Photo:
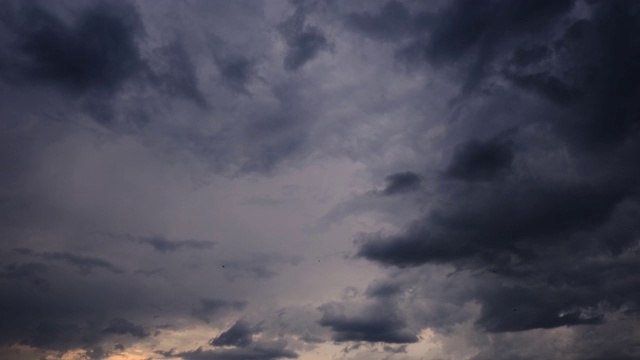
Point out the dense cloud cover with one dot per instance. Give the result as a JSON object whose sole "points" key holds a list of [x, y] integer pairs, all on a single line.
{"points": [[320, 180]]}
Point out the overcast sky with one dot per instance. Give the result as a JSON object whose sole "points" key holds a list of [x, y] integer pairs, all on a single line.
{"points": [[262, 180]]}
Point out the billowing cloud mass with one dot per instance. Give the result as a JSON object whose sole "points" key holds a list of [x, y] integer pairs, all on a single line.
{"points": [[319, 180]]}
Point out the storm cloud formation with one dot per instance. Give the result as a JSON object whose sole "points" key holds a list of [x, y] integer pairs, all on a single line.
{"points": [[97, 51], [320, 180]]}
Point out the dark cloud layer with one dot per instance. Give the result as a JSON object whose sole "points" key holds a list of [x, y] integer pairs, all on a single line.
{"points": [[96, 52], [124, 327], [261, 351], [477, 161], [163, 245], [403, 182], [375, 325], [515, 235], [304, 41], [85, 264], [534, 226], [240, 335]]}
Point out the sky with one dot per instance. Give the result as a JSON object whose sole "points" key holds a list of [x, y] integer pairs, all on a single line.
{"points": [[319, 179]]}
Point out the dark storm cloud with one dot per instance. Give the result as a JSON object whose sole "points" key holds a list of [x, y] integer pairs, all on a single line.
{"points": [[304, 41], [530, 55], [480, 160], [122, 326], [518, 308], [41, 320], [384, 289], [551, 86], [93, 53], [239, 335], [462, 30], [164, 245], [403, 182], [543, 236], [594, 77], [96, 51], [530, 230], [504, 217], [466, 24], [267, 351], [376, 325]]}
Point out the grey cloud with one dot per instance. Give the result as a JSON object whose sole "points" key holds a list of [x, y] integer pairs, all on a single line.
{"points": [[85, 264], [373, 325], [122, 326], [52, 335], [96, 51], [164, 245], [512, 214], [392, 22], [173, 71], [25, 272], [384, 289], [518, 308], [403, 182], [268, 351], [481, 160], [467, 24], [239, 335], [547, 221], [549, 85], [525, 231], [466, 30], [258, 266], [236, 71], [593, 65], [530, 55], [402, 349], [304, 41], [209, 308]]}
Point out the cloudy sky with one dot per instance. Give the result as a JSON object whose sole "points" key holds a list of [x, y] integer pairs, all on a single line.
{"points": [[262, 180]]}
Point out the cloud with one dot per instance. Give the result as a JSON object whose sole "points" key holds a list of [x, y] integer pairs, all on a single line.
{"points": [[477, 160], [402, 182], [269, 351], [163, 245], [514, 234], [122, 326], [211, 307], [392, 22], [258, 266], [97, 51], [85, 264], [239, 335], [372, 325], [304, 42], [402, 349]]}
